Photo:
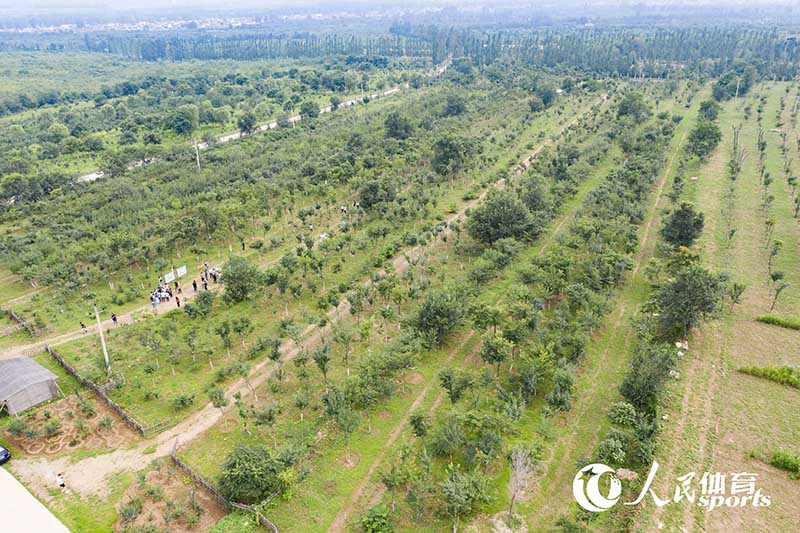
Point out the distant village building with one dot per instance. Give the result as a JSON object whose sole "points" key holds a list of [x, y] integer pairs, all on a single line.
{"points": [[25, 383]]}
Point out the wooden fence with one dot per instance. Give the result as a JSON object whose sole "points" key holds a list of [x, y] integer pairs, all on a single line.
{"points": [[144, 431], [15, 317], [216, 494]]}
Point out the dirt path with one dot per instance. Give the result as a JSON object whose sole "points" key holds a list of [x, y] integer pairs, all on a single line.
{"points": [[31, 349]]}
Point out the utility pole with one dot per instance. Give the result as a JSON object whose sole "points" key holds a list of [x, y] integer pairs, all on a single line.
{"points": [[102, 340]]}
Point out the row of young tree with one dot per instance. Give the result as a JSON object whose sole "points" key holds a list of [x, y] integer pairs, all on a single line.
{"points": [[661, 52], [683, 295], [533, 340], [251, 46]]}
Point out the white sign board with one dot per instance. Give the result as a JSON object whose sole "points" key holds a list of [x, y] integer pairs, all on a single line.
{"points": [[169, 276], [181, 271]]}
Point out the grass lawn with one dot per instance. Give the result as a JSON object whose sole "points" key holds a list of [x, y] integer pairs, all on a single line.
{"points": [[707, 429]]}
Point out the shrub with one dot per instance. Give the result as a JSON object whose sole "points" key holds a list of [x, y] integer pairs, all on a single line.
{"points": [[611, 450], [154, 492], [784, 322], [52, 427], [623, 414], [81, 427], [86, 406], [105, 423], [182, 401], [130, 510], [376, 520], [785, 375], [786, 461], [17, 427]]}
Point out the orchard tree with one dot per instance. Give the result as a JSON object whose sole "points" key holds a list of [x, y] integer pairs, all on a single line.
{"points": [[246, 122], [343, 336], [241, 279], [455, 105], [646, 374], [450, 154], [499, 216], [185, 119], [456, 382], [440, 312], [709, 110], [242, 326], [347, 421], [703, 139], [683, 226], [250, 474], [693, 295], [309, 109], [322, 357], [419, 422], [463, 493], [397, 126], [496, 349], [633, 106]]}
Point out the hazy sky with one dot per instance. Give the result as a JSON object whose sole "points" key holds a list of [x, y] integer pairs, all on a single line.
{"points": [[37, 5], [37, 11]]}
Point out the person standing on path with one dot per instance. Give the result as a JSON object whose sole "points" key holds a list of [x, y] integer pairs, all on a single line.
{"points": [[114, 319], [83, 328], [194, 285], [178, 301], [205, 285]]}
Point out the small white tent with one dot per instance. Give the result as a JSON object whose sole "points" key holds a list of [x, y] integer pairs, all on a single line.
{"points": [[25, 383]]}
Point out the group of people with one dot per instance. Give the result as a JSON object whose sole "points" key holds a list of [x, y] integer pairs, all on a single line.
{"points": [[165, 292], [206, 275]]}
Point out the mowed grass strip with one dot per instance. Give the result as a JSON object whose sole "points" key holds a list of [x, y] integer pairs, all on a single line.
{"points": [[784, 322]]}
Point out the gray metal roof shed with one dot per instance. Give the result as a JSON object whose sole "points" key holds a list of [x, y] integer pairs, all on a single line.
{"points": [[25, 383]]}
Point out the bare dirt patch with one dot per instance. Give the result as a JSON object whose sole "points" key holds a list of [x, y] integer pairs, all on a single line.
{"points": [[79, 428], [414, 378], [165, 500], [350, 460]]}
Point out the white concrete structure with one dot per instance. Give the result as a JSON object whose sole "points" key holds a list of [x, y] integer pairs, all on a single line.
{"points": [[21, 512]]}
